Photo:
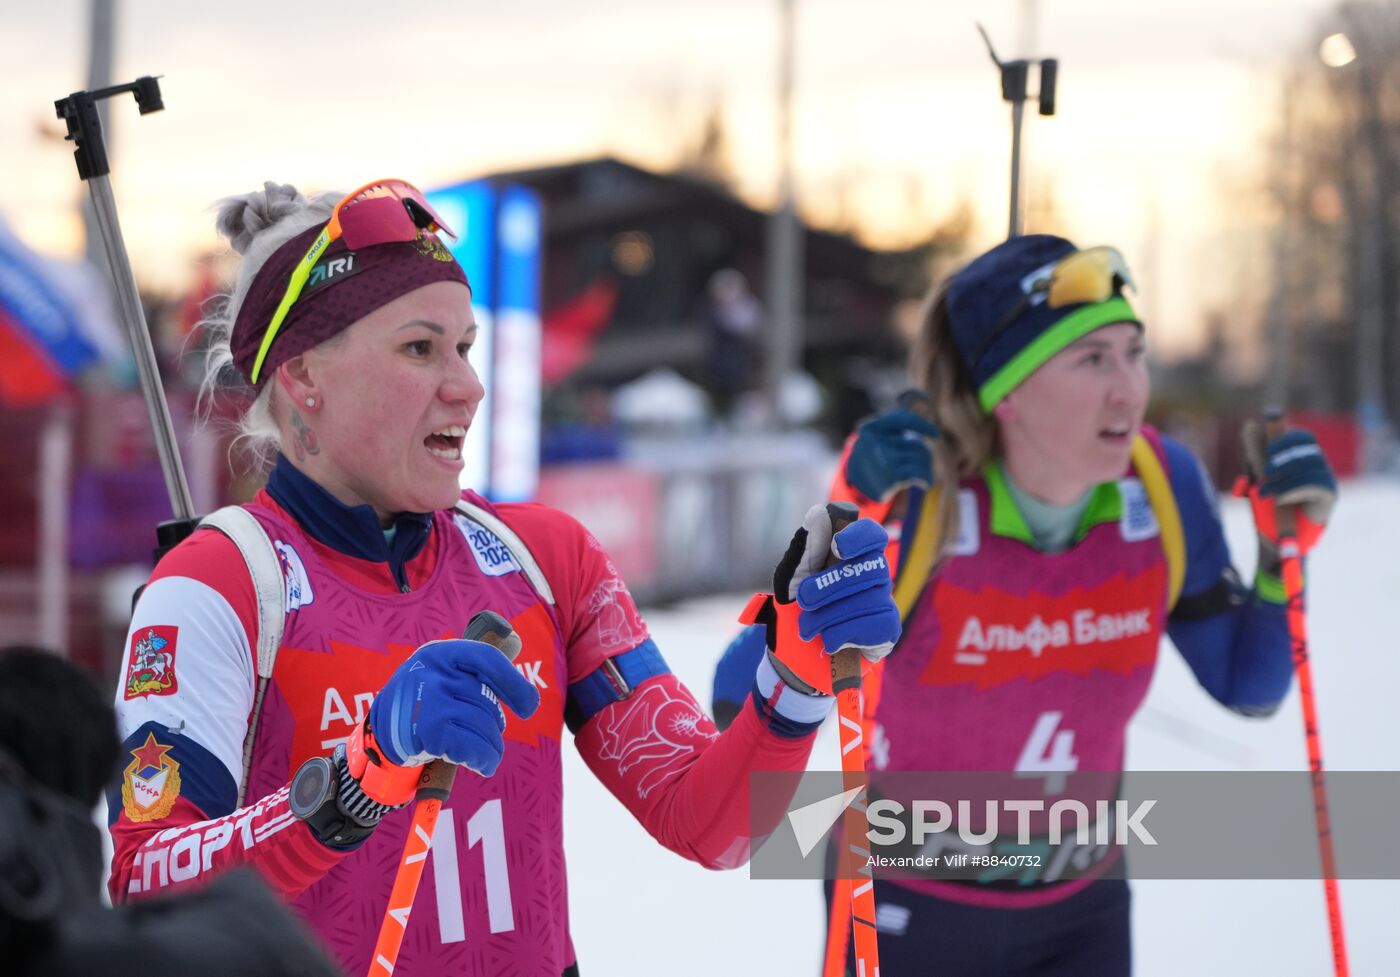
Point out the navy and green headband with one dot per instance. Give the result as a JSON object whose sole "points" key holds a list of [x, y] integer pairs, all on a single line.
{"points": [[1002, 332]]}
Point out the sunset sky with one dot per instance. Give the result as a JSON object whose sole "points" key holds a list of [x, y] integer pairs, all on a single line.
{"points": [[1163, 108]]}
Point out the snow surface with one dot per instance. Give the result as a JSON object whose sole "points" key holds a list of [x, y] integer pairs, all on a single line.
{"points": [[639, 909]]}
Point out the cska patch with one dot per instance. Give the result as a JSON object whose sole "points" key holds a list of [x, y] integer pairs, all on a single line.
{"points": [[151, 782], [150, 668]]}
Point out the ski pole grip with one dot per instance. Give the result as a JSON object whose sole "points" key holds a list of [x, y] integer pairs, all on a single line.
{"points": [[492, 628], [1276, 425], [845, 669], [846, 663], [435, 783], [842, 515]]}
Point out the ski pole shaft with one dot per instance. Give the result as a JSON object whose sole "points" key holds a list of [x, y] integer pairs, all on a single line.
{"points": [[434, 786], [855, 856], [1297, 630], [838, 928], [853, 862], [1298, 636]]}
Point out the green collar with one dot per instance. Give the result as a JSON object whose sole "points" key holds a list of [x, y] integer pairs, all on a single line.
{"points": [[1006, 520]]}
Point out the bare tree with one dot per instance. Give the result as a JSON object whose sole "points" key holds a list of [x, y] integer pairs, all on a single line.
{"points": [[1335, 301]]}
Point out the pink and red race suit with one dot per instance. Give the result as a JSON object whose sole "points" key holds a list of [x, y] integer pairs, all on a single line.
{"points": [[493, 900], [1031, 662]]}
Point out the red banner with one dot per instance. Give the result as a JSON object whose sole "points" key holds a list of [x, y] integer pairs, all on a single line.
{"points": [[618, 505]]}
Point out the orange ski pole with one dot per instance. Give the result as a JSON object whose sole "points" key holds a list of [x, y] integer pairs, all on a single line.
{"points": [[853, 870], [854, 858], [434, 786], [838, 929], [1298, 633]]}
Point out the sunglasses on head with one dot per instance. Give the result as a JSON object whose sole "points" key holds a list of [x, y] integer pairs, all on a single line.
{"points": [[381, 212], [1091, 275]]}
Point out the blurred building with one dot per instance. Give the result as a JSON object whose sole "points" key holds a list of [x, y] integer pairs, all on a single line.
{"points": [[629, 256]]}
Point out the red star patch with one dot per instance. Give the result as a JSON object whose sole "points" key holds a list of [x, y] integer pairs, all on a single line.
{"points": [[150, 753]]}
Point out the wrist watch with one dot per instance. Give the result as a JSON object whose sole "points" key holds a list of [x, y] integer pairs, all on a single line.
{"points": [[329, 800]]}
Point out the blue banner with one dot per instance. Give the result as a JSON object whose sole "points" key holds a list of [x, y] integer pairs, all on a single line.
{"points": [[31, 301]]}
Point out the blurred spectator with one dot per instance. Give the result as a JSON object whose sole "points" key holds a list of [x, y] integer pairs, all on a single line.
{"points": [[58, 751], [733, 324]]}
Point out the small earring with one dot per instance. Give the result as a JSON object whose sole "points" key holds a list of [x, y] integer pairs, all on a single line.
{"points": [[310, 401]]}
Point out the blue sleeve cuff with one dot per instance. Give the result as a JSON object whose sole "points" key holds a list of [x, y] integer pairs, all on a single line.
{"points": [[612, 682], [1270, 588], [784, 710]]}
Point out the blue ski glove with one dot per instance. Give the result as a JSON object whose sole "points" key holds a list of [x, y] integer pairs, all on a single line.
{"points": [[442, 702], [1296, 470], [891, 453], [849, 604]]}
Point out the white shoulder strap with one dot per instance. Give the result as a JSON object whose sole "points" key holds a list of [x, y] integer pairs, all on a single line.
{"points": [[514, 543], [239, 525]]}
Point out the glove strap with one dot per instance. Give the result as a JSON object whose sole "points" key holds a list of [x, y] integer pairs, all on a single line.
{"points": [[1265, 508], [807, 661], [384, 782]]}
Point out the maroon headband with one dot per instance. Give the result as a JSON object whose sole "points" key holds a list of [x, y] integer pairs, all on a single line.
{"points": [[344, 286]]}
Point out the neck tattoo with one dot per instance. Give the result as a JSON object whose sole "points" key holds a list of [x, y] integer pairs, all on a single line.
{"points": [[305, 441]]}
